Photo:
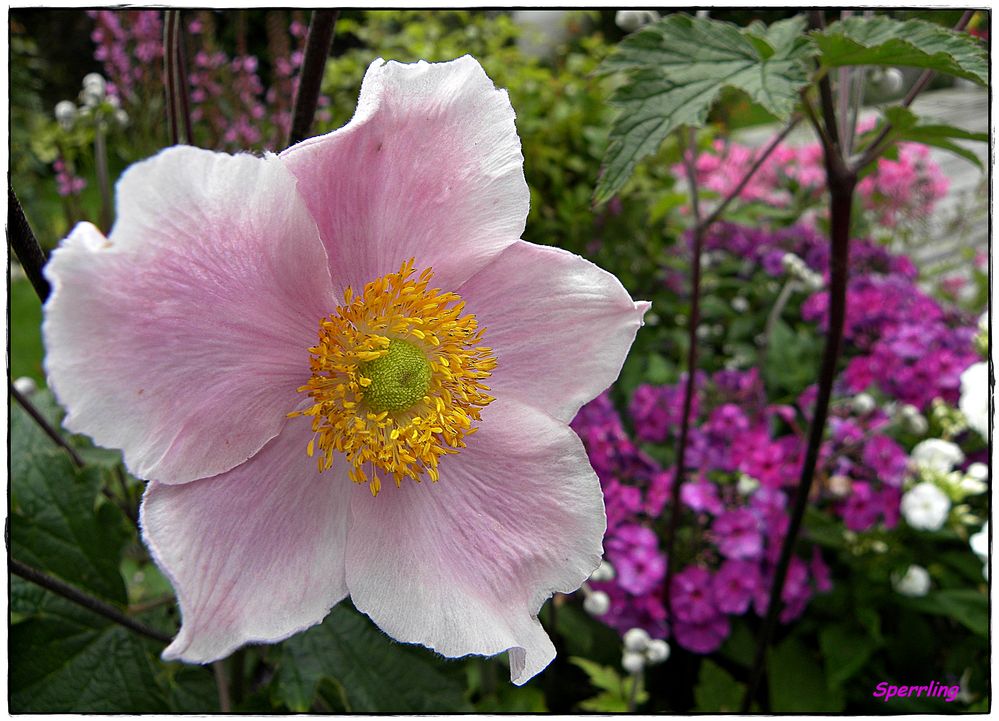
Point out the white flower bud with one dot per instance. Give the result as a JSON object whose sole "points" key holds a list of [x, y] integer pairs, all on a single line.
{"points": [[636, 640], [914, 583], [65, 112], [740, 304], [746, 485], [596, 603], [25, 385], [95, 80], [862, 404], [114, 102], [891, 81], [657, 652], [633, 662], [604, 572], [121, 117], [631, 20]]}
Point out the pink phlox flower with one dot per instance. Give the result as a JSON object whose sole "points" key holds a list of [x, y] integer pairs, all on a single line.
{"points": [[238, 336], [704, 637], [737, 534], [735, 584], [634, 553]]}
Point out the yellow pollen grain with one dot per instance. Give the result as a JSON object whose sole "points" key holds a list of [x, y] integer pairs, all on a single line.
{"points": [[386, 431]]}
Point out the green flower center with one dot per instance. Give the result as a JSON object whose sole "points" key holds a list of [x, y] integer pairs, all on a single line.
{"points": [[399, 379]]}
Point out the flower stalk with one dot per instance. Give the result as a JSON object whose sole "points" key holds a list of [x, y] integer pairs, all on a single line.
{"points": [[317, 49], [51, 432], [82, 599], [26, 248]]}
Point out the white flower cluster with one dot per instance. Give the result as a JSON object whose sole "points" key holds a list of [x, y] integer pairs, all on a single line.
{"points": [[641, 650], [797, 269], [915, 582], [92, 97], [927, 503], [974, 402], [597, 603]]}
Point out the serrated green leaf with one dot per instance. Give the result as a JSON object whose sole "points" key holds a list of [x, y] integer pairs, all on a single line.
{"points": [[377, 674], [70, 660], [677, 68], [56, 527], [906, 127], [885, 41], [602, 677]]}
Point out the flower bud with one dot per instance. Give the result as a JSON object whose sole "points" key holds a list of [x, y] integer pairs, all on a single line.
{"points": [[740, 304], [596, 603], [121, 117], [657, 652], [25, 385], [636, 640], [631, 20], [633, 662], [862, 404], [65, 112], [978, 471], [604, 572]]}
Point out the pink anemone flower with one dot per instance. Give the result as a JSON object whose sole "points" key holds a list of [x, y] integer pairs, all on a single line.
{"points": [[345, 374]]}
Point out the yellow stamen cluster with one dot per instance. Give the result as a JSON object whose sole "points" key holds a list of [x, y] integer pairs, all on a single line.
{"points": [[397, 379]]}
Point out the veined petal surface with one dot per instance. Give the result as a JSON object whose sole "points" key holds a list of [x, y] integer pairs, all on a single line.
{"points": [[255, 554], [429, 167], [182, 338], [463, 565], [559, 325]]}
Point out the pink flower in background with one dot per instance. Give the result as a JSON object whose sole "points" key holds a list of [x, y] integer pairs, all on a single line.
{"points": [[260, 338]]}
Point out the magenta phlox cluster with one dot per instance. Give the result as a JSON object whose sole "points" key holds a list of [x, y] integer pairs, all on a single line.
{"points": [[67, 182], [899, 190], [738, 536], [911, 348], [129, 44]]}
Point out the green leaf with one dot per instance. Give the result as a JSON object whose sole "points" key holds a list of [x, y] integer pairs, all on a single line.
{"points": [[905, 126], [966, 606], [377, 674], [56, 528], [67, 659], [676, 70], [797, 683], [616, 690], [885, 41], [845, 650], [716, 690]]}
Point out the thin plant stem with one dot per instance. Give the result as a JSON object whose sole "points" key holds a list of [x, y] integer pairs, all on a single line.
{"points": [[775, 313], [183, 86], [844, 78], [317, 49], [688, 392], [878, 145], [103, 177], [25, 246], [169, 59], [757, 163], [842, 183], [51, 432], [222, 685], [633, 694], [80, 598]]}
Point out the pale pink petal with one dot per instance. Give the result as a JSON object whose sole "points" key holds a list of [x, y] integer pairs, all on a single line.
{"points": [[255, 554], [463, 565], [560, 327], [183, 338], [430, 166]]}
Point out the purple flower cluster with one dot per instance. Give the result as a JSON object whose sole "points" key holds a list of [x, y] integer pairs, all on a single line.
{"points": [[908, 345], [130, 46], [738, 534], [67, 183], [747, 452]]}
